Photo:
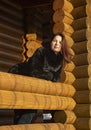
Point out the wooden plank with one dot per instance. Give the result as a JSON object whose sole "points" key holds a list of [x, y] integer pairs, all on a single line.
{"points": [[26, 100], [13, 82], [65, 116], [43, 126]]}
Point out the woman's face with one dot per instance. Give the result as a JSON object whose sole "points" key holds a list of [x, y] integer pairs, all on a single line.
{"points": [[56, 44]]}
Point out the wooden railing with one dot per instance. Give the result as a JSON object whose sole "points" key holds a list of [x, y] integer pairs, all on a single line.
{"points": [[23, 92]]}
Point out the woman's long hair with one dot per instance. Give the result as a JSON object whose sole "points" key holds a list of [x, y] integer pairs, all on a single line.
{"points": [[65, 50]]}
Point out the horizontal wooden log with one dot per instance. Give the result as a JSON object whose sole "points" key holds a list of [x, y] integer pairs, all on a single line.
{"points": [[82, 35], [10, 39], [65, 116], [67, 77], [82, 9], [11, 28], [34, 85], [26, 100], [83, 110], [85, 23], [83, 97], [11, 47], [64, 4], [83, 124], [17, 57], [69, 67], [82, 71], [82, 84], [78, 4], [16, 8], [85, 46], [12, 33], [7, 17], [31, 36], [62, 27], [82, 59], [62, 15], [45, 126], [9, 24]]}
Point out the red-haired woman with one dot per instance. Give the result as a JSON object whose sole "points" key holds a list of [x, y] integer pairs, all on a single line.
{"points": [[46, 63]]}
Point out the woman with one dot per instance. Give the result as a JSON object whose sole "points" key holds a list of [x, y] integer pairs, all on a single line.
{"points": [[46, 63]]}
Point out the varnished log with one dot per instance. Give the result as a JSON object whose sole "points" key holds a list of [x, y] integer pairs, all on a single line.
{"points": [[82, 71], [10, 32], [67, 77], [81, 9], [69, 67], [49, 126], [82, 84], [62, 4], [78, 4], [9, 46], [17, 56], [34, 85], [65, 116], [82, 97], [62, 27], [83, 110], [29, 44], [8, 26], [84, 46], [10, 40], [31, 36], [62, 15], [82, 59], [85, 23], [82, 35], [83, 124], [26, 100]]}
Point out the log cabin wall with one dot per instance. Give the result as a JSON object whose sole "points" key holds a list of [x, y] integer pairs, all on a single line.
{"points": [[63, 19], [82, 61], [11, 31], [77, 26], [11, 49]]}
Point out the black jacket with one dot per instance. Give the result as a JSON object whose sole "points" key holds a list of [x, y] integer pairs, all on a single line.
{"points": [[43, 64]]}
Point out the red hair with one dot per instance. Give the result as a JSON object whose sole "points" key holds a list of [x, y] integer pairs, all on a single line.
{"points": [[65, 50]]}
